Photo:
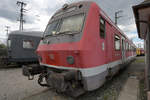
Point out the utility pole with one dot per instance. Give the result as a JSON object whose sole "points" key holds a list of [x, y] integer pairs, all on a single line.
{"points": [[22, 10], [7, 29], [117, 17]]}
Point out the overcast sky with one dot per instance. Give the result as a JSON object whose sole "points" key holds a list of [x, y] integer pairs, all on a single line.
{"points": [[40, 11]]}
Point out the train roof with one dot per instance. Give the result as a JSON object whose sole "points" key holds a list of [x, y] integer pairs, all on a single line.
{"points": [[27, 33], [74, 4]]}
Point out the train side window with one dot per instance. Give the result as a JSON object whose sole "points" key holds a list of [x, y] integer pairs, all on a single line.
{"points": [[130, 47], [28, 44], [102, 27], [117, 42], [126, 45], [8, 43]]}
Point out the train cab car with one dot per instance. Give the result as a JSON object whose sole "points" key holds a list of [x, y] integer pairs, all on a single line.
{"points": [[140, 52], [81, 47], [21, 47]]}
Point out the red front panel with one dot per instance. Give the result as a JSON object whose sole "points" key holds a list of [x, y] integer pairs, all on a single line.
{"points": [[90, 51]]}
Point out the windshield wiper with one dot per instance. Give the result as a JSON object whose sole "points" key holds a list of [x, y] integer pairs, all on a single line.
{"points": [[71, 33], [48, 35], [66, 32]]}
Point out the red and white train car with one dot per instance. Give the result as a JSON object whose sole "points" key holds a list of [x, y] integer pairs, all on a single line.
{"points": [[81, 47]]}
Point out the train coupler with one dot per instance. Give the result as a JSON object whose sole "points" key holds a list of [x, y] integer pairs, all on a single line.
{"points": [[40, 80], [65, 81], [31, 70], [30, 77]]}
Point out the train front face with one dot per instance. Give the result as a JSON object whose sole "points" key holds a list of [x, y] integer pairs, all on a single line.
{"points": [[60, 49]]}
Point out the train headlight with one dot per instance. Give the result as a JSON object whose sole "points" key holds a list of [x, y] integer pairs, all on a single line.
{"points": [[70, 60]]}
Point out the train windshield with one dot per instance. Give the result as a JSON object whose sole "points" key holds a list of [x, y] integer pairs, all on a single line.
{"points": [[72, 24], [51, 28], [68, 25]]}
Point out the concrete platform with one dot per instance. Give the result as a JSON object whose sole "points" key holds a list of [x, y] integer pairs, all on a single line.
{"points": [[130, 90], [148, 95]]}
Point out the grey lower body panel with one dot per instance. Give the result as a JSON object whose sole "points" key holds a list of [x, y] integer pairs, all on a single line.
{"points": [[96, 81]]}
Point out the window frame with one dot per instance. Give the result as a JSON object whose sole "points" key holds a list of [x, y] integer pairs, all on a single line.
{"points": [[127, 46], [33, 47], [62, 20], [104, 35], [115, 42], [9, 43]]}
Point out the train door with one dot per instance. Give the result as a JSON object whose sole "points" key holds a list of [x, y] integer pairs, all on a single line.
{"points": [[123, 50], [103, 37]]}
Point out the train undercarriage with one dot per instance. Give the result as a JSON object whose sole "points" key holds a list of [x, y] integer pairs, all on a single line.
{"points": [[62, 81]]}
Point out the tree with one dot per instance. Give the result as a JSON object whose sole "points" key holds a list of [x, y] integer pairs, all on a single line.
{"points": [[3, 46], [3, 50]]}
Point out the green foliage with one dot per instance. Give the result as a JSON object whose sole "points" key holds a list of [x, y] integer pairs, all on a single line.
{"points": [[3, 50], [140, 60], [3, 46]]}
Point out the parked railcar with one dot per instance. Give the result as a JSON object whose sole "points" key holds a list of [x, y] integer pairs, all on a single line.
{"points": [[21, 47], [81, 48], [140, 52]]}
